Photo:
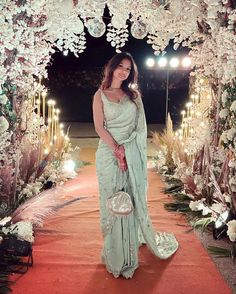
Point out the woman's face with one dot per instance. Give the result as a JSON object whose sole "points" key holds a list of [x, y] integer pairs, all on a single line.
{"points": [[122, 71]]}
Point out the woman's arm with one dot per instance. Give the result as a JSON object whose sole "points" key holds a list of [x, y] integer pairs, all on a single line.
{"points": [[98, 118]]}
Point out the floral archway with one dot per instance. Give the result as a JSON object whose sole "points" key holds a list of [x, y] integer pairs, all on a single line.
{"points": [[32, 145]]}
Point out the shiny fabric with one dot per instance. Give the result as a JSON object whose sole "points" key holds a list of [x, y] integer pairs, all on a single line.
{"points": [[123, 235]]}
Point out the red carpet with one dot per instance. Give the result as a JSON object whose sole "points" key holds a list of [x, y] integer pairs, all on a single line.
{"points": [[67, 252]]}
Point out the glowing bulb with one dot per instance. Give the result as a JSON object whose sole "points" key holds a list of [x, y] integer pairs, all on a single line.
{"points": [[46, 151], [174, 62], [162, 61], [65, 52], [186, 61], [44, 93], [150, 62]]}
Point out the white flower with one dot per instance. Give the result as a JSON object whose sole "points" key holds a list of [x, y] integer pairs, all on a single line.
{"points": [[223, 137], [218, 208], [4, 125], [233, 106], [194, 205], [224, 97], [223, 113], [231, 134], [199, 182], [205, 210], [231, 232], [23, 230], [232, 183], [232, 164], [228, 198], [3, 99], [5, 220], [199, 205]]}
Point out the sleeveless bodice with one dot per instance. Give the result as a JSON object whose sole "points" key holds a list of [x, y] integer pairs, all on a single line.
{"points": [[119, 117]]}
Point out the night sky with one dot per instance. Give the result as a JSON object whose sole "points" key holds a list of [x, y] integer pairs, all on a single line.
{"points": [[72, 83]]}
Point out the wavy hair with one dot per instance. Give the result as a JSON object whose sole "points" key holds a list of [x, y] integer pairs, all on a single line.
{"points": [[112, 64]]}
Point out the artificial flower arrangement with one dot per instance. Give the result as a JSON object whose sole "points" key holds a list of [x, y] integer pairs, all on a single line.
{"points": [[204, 187]]}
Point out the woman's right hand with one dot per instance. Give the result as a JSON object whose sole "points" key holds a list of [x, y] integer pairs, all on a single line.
{"points": [[119, 152], [122, 164]]}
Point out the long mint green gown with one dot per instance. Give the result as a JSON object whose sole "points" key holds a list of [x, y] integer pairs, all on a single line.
{"points": [[123, 235]]}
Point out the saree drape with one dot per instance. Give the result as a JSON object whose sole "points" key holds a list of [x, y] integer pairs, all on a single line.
{"points": [[123, 235]]}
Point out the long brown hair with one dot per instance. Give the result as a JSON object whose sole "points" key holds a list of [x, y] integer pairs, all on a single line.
{"points": [[112, 64]]}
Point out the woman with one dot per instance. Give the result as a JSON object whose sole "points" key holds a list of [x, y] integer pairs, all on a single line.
{"points": [[119, 120]]}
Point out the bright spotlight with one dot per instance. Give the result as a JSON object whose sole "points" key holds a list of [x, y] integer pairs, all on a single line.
{"points": [[162, 61], [65, 52], [186, 61], [150, 62], [174, 62]]}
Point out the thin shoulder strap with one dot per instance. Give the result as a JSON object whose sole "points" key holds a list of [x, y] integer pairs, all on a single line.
{"points": [[102, 95]]}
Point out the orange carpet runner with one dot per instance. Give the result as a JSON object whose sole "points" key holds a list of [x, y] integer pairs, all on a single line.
{"points": [[67, 251]]}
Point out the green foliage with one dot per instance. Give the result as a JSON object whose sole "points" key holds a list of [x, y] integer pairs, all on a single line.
{"points": [[5, 271], [223, 252], [180, 204], [179, 207], [202, 223]]}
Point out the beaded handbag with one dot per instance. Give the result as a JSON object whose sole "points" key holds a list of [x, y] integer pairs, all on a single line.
{"points": [[120, 203]]}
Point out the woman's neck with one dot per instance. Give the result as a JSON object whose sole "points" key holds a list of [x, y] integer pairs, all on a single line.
{"points": [[115, 84]]}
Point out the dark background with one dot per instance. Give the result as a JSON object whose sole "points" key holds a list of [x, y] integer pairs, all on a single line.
{"points": [[73, 81]]}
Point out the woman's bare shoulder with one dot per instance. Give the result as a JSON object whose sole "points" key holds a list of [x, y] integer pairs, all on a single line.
{"points": [[97, 94]]}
